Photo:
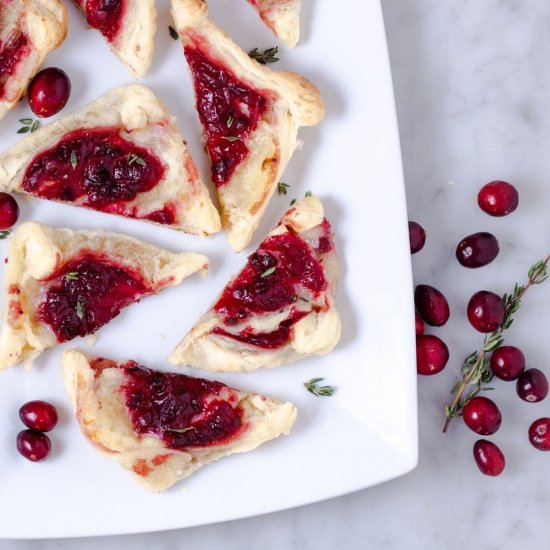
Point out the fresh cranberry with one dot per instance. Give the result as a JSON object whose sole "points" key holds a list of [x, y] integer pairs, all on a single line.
{"points": [[49, 91], [432, 355], [9, 211], [488, 457], [532, 386], [482, 415], [486, 311], [477, 250], [431, 305], [418, 325], [34, 446], [498, 198], [38, 415], [507, 362], [539, 434], [417, 237]]}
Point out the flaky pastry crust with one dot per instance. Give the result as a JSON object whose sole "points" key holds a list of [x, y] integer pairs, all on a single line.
{"points": [[101, 413], [35, 251], [44, 22], [144, 120], [315, 334], [294, 102], [282, 17], [134, 44]]}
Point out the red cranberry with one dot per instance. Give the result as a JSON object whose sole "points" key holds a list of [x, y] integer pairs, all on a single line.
{"points": [[417, 237], [488, 457], [532, 386], [431, 305], [498, 198], [482, 415], [34, 446], [49, 91], [539, 434], [38, 415], [507, 362], [418, 325], [486, 311], [432, 355], [477, 250], [9, 211]]}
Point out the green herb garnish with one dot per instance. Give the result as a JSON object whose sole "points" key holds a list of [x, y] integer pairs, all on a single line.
{"points": [[282, 188], [173, 32], [132, 157], [268, 272], [319, 391], [265, 57]]}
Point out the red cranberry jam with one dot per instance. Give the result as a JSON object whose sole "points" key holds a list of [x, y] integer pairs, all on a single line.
{"points": [[96, 167], [105, 16], [229, 111], [267, 340], [11, 54], [272, 279], [181, 410], [284, 271], [86, 293]]}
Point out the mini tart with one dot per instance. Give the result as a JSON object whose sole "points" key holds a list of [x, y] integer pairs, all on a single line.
{"points": [[279, 308], [250, 116], [282, 17], [121, 410], [29, 30], [129, 27], [121, 154], [60, 284]]}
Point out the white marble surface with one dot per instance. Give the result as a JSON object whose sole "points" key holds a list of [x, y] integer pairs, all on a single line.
{"points": [[472, 86]]}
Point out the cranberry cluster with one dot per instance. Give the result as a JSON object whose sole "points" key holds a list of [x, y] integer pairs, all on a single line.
{"points": [[39, 417], [485, 312]]}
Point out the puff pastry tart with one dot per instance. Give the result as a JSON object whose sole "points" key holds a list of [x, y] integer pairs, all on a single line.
{"points": [[279, 308], [163, 426], [282, 17], [29, 30], [60, 284], [121, 154], [129, 27], [250, 116]]}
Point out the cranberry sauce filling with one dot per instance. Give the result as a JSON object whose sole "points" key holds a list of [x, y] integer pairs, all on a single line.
{"points": [[86, 293], [97, 167], [268, 340], [105, 16], [11, 54], [182, 411], [166, 215], [272, 279], [229, 111]]}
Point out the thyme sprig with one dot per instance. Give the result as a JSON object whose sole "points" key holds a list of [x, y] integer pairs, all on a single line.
{"points": [[320, 391], [265, 57], [476, 370], [4, 234]]}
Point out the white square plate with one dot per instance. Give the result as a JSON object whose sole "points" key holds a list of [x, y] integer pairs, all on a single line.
{"points": [[366, 433]]}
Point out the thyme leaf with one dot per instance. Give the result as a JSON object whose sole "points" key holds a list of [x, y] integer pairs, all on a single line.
{"points": [[282, 188]]}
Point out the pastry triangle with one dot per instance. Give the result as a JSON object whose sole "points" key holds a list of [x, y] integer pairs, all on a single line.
{"points": [[279, 308], [120, 154], [60, 284], [122, 409], [250, 116]]}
